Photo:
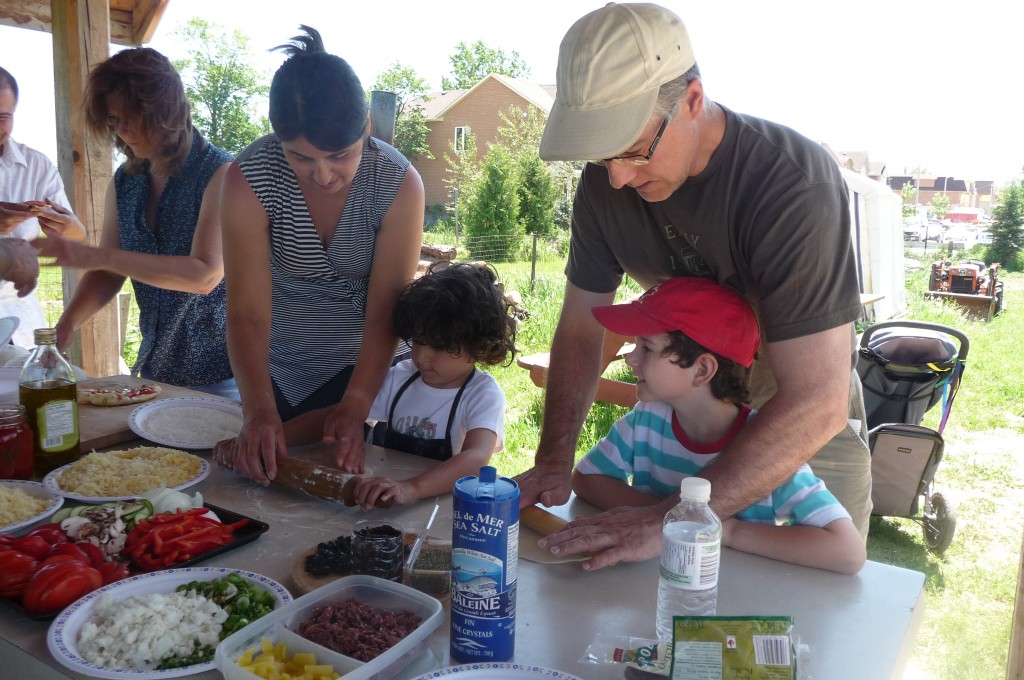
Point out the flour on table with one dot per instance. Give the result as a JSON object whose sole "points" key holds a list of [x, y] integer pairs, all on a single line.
{"points": [[192, 425]]}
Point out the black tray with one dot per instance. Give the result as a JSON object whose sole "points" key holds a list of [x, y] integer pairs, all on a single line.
{"points": [[252, 530]]}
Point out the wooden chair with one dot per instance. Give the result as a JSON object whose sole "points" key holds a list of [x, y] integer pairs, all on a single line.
{"points": [[608, 390]]}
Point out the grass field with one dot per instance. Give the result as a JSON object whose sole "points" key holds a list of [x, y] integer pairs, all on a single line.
{"points": [[970, 589]]}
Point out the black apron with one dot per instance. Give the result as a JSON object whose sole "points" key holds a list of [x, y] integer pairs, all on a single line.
{"points": [[435, 449]]}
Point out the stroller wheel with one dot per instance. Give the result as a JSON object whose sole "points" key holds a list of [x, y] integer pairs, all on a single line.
{"points": [[939, 524]]}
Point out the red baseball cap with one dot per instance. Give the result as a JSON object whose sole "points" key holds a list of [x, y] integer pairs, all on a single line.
{"points": [[710, 314]]}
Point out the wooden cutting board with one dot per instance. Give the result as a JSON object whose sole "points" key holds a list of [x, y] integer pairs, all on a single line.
{"points": [[103, 426]]}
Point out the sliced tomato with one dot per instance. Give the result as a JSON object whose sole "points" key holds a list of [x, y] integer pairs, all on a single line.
{"points": [[16, 569], [113, 571], [57, 585], [72, 549], [51, 533], [36, 546]]}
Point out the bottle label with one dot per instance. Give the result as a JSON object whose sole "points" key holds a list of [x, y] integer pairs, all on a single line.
{"points": [[57, 425], [690, 566]]}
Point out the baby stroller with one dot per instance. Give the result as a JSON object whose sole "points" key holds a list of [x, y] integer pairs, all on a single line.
{"points": [[906, 368]]}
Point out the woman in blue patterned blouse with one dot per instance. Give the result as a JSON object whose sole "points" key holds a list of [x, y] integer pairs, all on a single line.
{"points": [[161, 225]]}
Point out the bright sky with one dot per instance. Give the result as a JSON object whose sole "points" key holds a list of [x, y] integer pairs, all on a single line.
{"points": [[932, 83]]}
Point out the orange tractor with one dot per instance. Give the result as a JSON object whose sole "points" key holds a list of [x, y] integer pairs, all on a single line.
{"points": [[972, 285]]}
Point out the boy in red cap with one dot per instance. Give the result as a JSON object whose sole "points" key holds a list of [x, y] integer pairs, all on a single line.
{"points": [[695, 343]]}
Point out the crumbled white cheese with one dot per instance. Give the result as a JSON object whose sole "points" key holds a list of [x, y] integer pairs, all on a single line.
{"points": [[192, 426], [146, 629]]}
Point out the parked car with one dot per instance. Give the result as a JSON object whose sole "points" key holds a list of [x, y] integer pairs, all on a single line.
{"points": [[959, 234], [914, 228], [985, 236]]}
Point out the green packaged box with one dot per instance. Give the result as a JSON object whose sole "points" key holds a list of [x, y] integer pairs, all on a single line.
{"points": [[732, 648]]}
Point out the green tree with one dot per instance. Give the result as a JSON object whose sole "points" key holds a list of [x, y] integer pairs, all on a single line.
{"points": [[537, 196], [472, 63], [520, 135], [463, 171], [909, 196], [939, 206], [221, 85], [410, 124], [1007, 226], [492, 224]]}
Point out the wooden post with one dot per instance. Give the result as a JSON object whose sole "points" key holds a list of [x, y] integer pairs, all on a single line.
{"points": [[1015, 659], [81, 39], [383, 107]]}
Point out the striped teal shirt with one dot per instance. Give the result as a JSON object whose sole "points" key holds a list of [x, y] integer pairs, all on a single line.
{"points": [[649, 449]]}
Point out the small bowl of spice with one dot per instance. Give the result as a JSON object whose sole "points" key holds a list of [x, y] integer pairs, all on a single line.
{"points": [[432, 571]]}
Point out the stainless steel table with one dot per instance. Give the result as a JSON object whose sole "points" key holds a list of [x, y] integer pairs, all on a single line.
{"points": [[858, 627]]}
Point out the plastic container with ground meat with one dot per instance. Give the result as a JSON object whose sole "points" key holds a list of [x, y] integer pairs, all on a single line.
{"points": [[283, 625]]}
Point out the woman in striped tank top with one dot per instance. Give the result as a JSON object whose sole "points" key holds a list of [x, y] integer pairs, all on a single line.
{"points": [[322, 227]]}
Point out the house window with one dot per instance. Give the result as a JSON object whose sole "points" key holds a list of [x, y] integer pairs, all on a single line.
{"points": [[461, 133]]}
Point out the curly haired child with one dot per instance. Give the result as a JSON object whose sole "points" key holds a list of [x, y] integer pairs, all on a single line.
{"points": [[438, 404]]}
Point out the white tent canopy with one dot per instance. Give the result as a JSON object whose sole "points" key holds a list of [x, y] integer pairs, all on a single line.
{"points": [[876, 230]]}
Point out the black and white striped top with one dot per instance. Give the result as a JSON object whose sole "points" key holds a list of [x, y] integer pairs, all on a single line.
{"points": [[318, 295]]}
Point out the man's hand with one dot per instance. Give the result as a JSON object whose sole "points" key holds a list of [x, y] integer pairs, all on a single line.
{"points": [[57, 220], [19, 264], [66, 253], [619, 535], [547, 484], [13, 214]]}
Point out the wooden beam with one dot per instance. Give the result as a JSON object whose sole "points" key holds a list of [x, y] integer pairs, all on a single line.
{"points": [[145, 18], [1015, 659], [81, 39], [131, 23]]}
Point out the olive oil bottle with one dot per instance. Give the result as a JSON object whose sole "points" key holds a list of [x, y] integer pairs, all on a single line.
{"points": [[50, 397]]}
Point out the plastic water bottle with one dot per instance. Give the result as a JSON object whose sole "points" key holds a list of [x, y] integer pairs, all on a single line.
{"points": [[690, 551]]}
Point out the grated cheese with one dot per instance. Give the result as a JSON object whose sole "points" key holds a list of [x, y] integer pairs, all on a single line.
{"points": [[18, 506], [128, 473], [192, 426]]}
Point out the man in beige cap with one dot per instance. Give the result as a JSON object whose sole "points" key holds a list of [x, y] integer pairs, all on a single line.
{"points": [[679, 185]]}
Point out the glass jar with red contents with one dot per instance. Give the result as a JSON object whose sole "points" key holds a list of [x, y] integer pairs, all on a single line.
{"points": [[16, 452]]}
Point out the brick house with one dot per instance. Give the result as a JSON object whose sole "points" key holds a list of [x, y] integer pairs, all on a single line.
{"points": [[452, 114], [961, 193]]}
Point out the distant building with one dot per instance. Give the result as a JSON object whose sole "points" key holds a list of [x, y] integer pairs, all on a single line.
{"points": [[453, 114], [974, 194], [858, 162]]}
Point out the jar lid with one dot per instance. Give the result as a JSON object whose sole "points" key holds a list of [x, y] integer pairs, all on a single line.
{"points": [[11, 413]]}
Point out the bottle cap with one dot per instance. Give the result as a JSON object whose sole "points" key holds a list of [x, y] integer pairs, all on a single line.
{"points": [[45, 335], [695, 489]]}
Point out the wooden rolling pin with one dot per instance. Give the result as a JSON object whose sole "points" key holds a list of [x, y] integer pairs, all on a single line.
{"points": [[540, 520], [320, 481]]}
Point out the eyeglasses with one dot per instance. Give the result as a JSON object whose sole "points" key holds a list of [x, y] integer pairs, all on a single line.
{"points": [[639, 158]]}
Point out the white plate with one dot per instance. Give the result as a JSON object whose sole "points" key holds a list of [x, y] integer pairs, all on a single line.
{"points": [[137, 421], [50, 482], [62, 638], [33, 489], [497, 671]]}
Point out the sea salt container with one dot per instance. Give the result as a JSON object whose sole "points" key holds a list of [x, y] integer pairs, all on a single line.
{"points": [[282, 626]]}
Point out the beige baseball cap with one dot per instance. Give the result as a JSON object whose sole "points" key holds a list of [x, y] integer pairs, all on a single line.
{"points": [[611, 65]]}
